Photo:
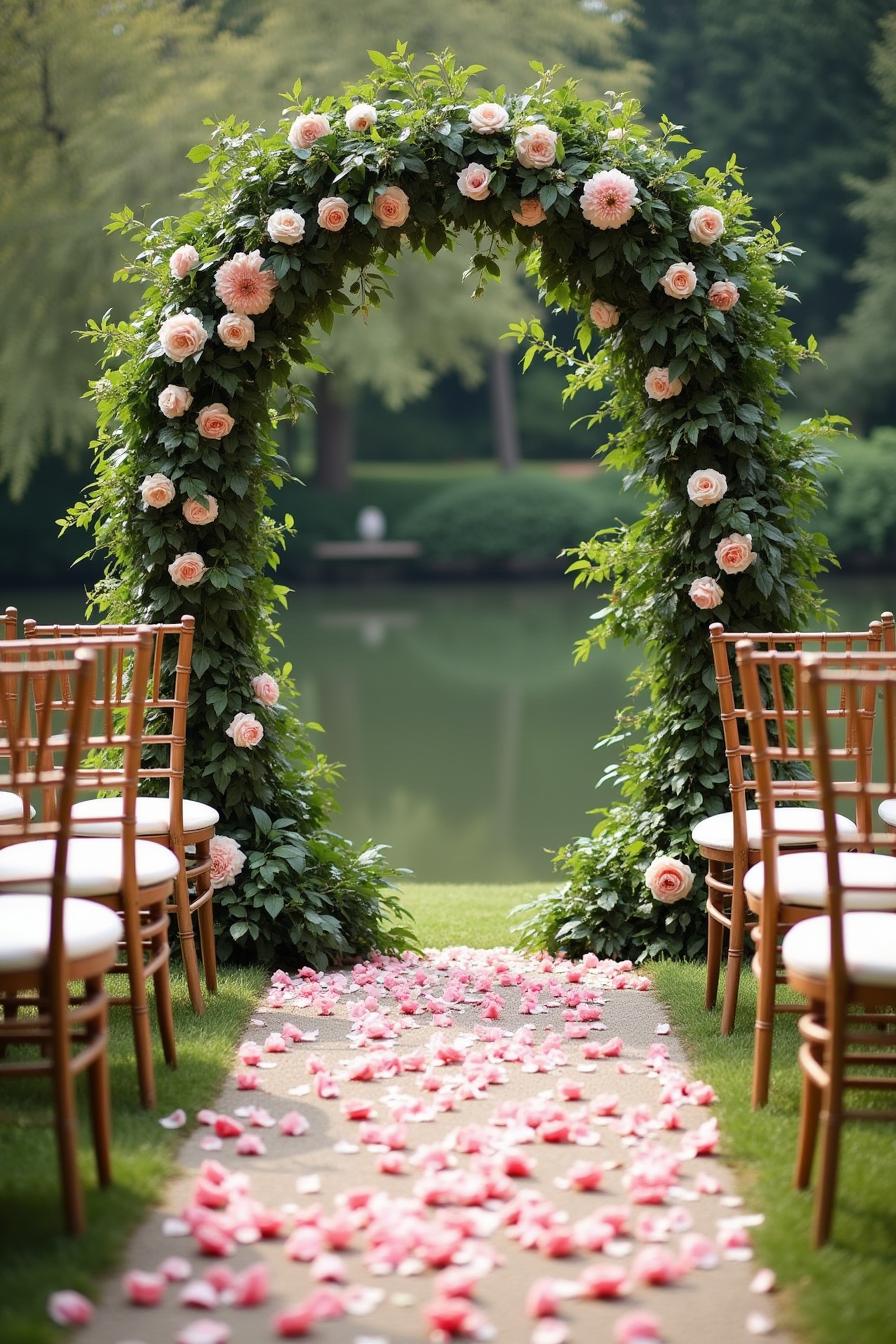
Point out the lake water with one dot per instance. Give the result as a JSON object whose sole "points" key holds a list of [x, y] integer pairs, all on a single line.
{"points": [[465, 729]]}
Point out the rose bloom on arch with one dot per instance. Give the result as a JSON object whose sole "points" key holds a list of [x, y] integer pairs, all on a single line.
{"points": [[182, 335], [157, 490], [307, 128], [488, 118], [265, 689], [227, 860], [391, 208], [604, 315], [200, 514], [669, 880], [332, 213], [659, 386], [735, 553], [245, 730], [529, 212], [187, 569], [706, 593], [175, 401], [707, 487], [215, 421]]}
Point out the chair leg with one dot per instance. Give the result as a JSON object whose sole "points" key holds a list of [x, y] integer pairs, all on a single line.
{"points": [[735, 955], [206, 915], [830, 1126], [99, 1091], [765, 1012], [164, 1012], [66, 1126], [714, 937], [188, 939], [10, 1013], [139, 1006]]}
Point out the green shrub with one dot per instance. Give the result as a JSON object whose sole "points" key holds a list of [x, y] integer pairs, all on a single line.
{"points": [[529, 517], [860, 513]]}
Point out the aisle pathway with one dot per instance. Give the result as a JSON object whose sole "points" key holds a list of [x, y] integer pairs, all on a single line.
{"points": [[473, 1145]]}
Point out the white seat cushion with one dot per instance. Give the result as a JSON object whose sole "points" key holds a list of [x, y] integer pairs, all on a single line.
{"points": [[718, 832], [93, 867], [803, 880], [887, 811], [89, 929], [869, 944], [10, 806], [153, 815]]}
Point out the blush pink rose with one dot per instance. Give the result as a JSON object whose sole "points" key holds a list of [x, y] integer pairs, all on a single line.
{"points": [[182, 261], [529, 213], [156, 491], [181, 336], [265, 689], [308, 128], [680, 280], [724, 294], [187, 569], [245, 730], [735, 553], [660, 386], [707, 487], [227, 861], [536, 146], [473, 181], [200, 514], [242, 285], [332, 213], [215, 421], [706, 225], [235, 330], [668, 879], [286, 226], [391, 208], [609, 198], [604, 315], [360, 117], [488, 118], [705, 593], [174, 400]]}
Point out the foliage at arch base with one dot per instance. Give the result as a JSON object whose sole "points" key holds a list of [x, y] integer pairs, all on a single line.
{"points": [[291, 228]]}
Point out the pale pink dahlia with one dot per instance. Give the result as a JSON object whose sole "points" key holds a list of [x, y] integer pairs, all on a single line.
{"points": [[242, 286], [609, 198]]}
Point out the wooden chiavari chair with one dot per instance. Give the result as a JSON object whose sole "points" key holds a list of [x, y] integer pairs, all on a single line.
{"points": [[785, 888], [132, 876], [730, 841], [10, 801], [179, 823], [844, 961], [50, 942]]}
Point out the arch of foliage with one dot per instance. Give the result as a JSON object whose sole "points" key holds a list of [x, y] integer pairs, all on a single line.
{"points": [[301, 889]]}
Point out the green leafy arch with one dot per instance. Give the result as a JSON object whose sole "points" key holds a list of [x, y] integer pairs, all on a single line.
{"points": [[187, 466]]}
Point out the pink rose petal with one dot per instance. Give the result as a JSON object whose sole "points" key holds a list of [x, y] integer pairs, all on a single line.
{"points": [[69, 1308], [176, 1120]]}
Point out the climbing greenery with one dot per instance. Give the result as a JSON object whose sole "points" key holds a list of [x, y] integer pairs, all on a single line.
{"points": [[408, 159]]}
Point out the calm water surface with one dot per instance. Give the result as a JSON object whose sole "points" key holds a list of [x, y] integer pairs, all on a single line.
{"points": [[465, 728]]}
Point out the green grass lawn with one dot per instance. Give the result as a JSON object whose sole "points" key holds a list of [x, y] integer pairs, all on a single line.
{"points": [[845, 1293], [35, 1255], [475, 914]]}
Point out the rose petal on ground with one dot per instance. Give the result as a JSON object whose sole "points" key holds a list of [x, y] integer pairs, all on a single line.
{"points": [[757, 1323], [176, 1120], [67, 1307], [143, 1288], [763, 1281], [204, 1332]]}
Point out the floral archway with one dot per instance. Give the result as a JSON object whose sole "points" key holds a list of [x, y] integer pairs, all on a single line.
{"points": [[666, 268]]}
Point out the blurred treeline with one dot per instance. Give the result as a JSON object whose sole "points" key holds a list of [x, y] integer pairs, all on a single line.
{"points": [[100, 100]]}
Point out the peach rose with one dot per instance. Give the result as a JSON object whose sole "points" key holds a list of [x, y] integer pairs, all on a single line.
{"points": [[724, 294], [604, 315], [488, 118], [181, 336], [245, 730], [265, 689], [227, 861], [391, 208], [669, 879], [200, 514], [187, 569], [536, 146], [156, 491], [174, 400], [360, 117], [735, 553], [473, 181], [680, 280], [182, 261], [660, 386], [705, 593], [529, 213], [236, 330], [707, 487], [332, 213], [706, 225], [215, 421], [308, 128], [286, 226]]}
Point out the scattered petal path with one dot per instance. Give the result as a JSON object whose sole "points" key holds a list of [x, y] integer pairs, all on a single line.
{"points": [[468, 1145]]}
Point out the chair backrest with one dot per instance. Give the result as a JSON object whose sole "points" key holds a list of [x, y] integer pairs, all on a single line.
{"points": [[875, 782], [732, 706], [35, 738], [167, 696], [10, 623]]}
